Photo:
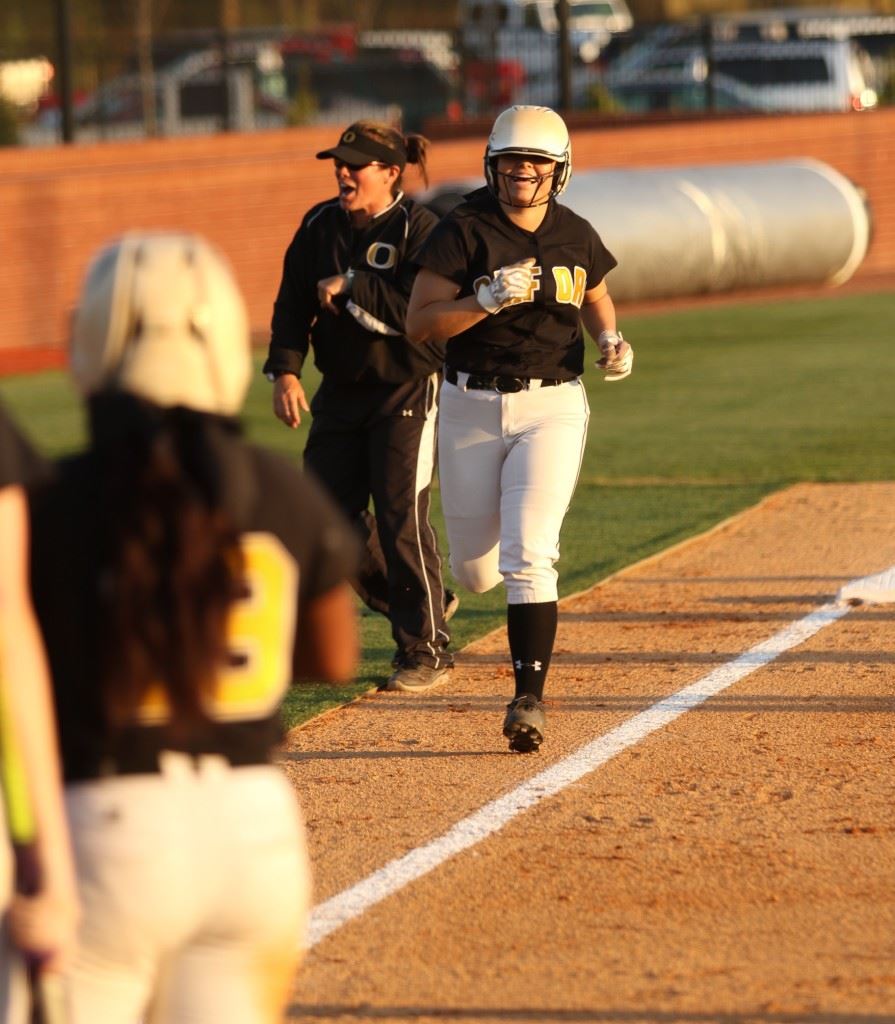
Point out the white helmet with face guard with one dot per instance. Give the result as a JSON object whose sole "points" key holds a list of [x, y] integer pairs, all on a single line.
{"points": [[538, 132], [161, 317]]}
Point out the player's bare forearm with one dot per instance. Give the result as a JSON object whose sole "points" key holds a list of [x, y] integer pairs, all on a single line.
{"points": [[442, 320], [598, 311], [598, 317], [47, 923], [327, 646], [434, 311]]}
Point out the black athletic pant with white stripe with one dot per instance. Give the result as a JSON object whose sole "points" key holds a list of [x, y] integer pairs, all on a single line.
{"points": [[376, 440]]}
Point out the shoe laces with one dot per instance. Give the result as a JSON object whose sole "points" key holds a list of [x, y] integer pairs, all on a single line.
{"points": [[524, 702]]}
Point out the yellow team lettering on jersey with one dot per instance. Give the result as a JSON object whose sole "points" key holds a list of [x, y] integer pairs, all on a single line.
{"points": [[569, 290], [261, 635]]}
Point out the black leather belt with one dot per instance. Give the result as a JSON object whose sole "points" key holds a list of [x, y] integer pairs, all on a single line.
{"points": [[498, 382], [148, 762]]}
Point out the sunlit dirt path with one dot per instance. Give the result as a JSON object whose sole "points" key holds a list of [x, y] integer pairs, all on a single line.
{"points": [[736, 865]]}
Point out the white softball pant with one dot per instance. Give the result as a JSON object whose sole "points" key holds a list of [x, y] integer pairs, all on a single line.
{"points": [[508, 466], [195, 890]]}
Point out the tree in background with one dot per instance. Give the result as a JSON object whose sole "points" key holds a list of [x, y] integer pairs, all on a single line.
{"points": [[304, 106]]}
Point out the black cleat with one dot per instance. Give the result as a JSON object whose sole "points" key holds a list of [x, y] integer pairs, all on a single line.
{"points": [[524, 724], [415, 677]]}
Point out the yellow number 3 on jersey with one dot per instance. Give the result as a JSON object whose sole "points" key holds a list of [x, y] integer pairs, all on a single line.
{"points": [[261, 635]]}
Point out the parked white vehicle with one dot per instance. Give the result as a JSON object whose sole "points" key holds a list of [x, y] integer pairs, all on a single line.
{"points": [[669, 72], [585, 16]]}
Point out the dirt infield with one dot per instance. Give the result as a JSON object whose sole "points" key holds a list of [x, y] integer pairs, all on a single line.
{"points": [[735, 864]]}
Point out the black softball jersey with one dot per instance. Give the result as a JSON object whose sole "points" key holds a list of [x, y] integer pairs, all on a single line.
{"points": [[365, 340], [296, 546], [539, 337]]}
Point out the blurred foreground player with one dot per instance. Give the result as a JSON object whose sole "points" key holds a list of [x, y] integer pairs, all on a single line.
{"points": [[182, 578], [38, 926]]}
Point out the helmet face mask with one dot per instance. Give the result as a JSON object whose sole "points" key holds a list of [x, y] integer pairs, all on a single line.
{"points": [[542, 170], [160, 316], [528, 131]]}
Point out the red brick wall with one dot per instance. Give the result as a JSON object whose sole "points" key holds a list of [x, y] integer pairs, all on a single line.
{"points": [[247, 193]]}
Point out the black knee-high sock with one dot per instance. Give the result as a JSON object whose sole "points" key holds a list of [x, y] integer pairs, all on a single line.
{"points": [[531, 629]]}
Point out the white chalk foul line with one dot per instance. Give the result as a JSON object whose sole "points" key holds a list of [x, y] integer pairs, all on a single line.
{"points": [[351, 903]]}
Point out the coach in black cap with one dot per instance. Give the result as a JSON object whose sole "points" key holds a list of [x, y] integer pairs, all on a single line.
{"points": [[347, 275], [358, 149]]}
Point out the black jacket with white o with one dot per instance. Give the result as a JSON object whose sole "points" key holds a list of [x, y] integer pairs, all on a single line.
{"points": [[536, 337], [365, 341]]}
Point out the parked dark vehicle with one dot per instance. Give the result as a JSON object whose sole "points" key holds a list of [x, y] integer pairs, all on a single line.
{"points": [[384, 78]]}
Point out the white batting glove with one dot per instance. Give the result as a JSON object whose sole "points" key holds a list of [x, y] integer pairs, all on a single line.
{"points": [[510, 282], [617, 356]]}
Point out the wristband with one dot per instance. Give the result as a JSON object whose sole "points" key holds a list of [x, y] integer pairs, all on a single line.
{"points": [[485, 298]]}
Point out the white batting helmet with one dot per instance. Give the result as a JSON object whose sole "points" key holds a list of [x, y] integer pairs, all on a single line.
{"points": [[161, 316], [532, 131]]}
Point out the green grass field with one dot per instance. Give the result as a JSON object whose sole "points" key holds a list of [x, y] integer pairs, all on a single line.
{"points": [[725, 405]]}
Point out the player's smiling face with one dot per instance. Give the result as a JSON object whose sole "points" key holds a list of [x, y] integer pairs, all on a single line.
{"points": [[365, 190], [524, 180]]}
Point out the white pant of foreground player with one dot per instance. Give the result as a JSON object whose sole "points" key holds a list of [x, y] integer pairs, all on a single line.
{"points": [[195, 890], [508, 466]]}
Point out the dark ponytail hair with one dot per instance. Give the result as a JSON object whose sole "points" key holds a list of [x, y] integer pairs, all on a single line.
{"points": [[417, 147], [170, 560], [414, 145]]}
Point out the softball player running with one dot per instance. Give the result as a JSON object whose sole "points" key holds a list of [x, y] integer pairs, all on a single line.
{"points": [[510, 277], [40, 926], [181, 577], [346, 279]]}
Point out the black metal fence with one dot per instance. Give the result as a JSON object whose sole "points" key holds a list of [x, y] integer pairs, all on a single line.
{"points": [[755, 63], [571, 54], [752, 62]]}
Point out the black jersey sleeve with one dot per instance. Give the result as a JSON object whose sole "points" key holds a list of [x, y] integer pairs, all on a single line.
{"points": [[382, 299], [293, 506], [19, 462], [295, 306], [602, 260], [446, 251]]}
